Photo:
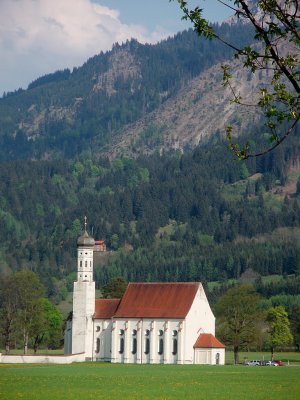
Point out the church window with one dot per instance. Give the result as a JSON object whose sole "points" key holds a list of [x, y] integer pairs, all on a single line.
{"points": [[147, 346], [134, 332], [161, 346], [160, 332], [97, 328], [147, 332], [121, 332], [134, 345], [98, 345], [175, 333], [80, 264], [174, 352], [86, 264], [121, 348]]}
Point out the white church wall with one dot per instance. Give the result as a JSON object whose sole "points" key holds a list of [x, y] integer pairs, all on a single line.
{"points": [[102, 339], [200, 319], [146, 341]]}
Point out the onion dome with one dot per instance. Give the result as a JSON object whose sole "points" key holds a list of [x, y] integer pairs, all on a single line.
{"points": [[85, 240]]}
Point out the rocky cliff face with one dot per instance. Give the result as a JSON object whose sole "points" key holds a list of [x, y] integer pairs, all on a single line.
{"points": [[201, 109]]}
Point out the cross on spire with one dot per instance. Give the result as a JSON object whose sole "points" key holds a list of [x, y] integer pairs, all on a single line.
{"points": [[85, 223]]}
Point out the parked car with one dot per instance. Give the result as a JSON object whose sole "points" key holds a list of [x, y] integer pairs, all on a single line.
{"points": [[271, 364], [278, 362], [253, 363]]}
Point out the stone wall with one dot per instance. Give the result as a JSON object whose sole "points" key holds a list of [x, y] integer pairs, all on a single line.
{"points": [[41, 359]]}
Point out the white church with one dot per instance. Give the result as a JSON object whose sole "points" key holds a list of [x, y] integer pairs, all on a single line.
{"points": [[156, 323]]}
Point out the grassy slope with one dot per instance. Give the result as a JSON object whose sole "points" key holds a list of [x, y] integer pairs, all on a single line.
{"points": [[106, 381]]}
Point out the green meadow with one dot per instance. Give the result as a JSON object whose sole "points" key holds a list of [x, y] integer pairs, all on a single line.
{"points": [[119, 381]]}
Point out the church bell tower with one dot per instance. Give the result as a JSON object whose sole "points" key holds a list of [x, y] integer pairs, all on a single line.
{"points": [[84, 297]]}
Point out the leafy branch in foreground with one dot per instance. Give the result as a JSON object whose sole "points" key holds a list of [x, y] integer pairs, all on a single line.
{"points": [[275, 49]]}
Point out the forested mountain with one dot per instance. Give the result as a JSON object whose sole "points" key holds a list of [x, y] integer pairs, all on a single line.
{"points": [[196, 216], [101, 141], [66, 112]]}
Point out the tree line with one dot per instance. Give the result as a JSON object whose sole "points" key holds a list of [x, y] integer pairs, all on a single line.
{"points": [[27, 317]]}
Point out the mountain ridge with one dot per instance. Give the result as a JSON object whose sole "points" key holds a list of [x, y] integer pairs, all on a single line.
{"points": [[88, 107]]}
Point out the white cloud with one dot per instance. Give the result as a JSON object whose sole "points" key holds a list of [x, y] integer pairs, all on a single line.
{"points": [[41, 36]]}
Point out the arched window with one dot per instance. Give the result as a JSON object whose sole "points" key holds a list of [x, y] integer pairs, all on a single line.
{"points": [[80, 263], [174, 352], [121, 343], [134, 346], [160, 332], [98, 345], [161, 346], [147, 346], [121, 348], [97, 328]]}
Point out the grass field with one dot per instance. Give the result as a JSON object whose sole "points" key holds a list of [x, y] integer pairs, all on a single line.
{"points": [[116, 381]]}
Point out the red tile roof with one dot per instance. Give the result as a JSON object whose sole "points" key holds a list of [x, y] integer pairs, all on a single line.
{"points": [[208, 341], [105, 308], [157, 300]]}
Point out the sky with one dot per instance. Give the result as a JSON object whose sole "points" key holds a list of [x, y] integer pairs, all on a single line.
{"points": [[38, 37]]}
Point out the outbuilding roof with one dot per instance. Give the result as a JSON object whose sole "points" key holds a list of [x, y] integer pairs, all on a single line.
{"points": [[157, 300], [105, 308], [208, 341]]}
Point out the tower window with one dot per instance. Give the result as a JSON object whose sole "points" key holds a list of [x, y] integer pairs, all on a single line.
{"points": [[86, 264], [80, 264]]}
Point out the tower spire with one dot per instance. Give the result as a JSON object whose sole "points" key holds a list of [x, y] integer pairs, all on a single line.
{"points": [[85, 222]]}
